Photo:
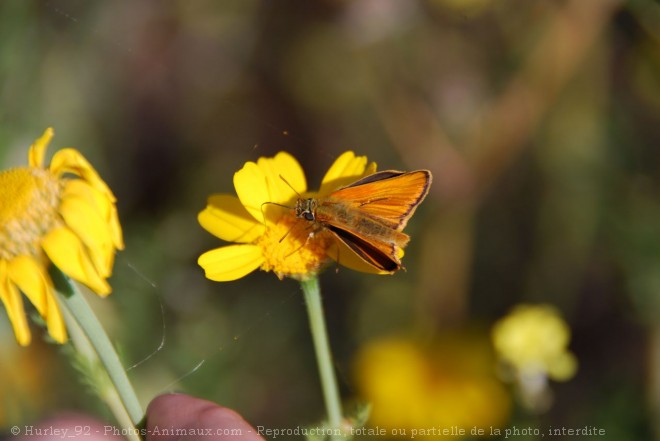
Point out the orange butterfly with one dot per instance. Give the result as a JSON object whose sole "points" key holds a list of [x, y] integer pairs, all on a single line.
{"points": [[368, 216]]}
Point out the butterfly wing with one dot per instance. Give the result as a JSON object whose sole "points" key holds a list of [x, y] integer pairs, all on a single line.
{"points": [[390, 196], [381, 255]]}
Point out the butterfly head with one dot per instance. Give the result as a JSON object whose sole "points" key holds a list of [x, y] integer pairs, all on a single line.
{"points": [[306, 209]]}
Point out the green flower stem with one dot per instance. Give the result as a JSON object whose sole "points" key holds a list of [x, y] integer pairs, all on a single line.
{"points": [[312, 293], [103, 386], [91, 327]]}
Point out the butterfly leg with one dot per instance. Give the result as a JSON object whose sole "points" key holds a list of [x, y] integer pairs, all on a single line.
{"points": [[315, 229]]}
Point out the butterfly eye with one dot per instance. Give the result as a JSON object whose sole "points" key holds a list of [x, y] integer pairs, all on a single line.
{"points": [[305, 209]]}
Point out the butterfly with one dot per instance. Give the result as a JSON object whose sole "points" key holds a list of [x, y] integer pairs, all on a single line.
{"points": [[368, 216]]}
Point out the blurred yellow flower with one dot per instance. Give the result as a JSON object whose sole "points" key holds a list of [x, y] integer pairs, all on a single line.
{"points": [[25, 390], [534, 339], [269, 235], [532, 344], [62, 214], [448, 384]]}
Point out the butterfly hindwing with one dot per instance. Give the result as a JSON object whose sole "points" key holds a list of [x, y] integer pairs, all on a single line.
{"points": [[381, 255]]}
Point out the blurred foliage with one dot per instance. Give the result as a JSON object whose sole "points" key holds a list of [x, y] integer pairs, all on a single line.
{"points": [[539, 120]]}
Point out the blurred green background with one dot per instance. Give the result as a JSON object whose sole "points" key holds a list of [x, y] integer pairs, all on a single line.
{"points": [[540, 121]]}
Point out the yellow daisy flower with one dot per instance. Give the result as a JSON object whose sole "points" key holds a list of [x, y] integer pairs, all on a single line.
{"points": [[62, 214], [533, 340], [269, 235]]}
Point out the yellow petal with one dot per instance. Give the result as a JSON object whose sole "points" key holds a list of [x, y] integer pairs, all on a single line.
{"points": [[261, 183], [13, 302], [285, 176], [252, 190], [231, 262], [86, 222], [71, 161], [226, 218], [346, 169], [68, 254], [102, 204], [370, 170], [38, 149], [115, 228], [32, 280], [55, 321]]}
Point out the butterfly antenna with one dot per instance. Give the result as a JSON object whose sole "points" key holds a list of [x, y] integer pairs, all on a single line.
{"points": [[279, 205], [263, 215], [290, 186]]}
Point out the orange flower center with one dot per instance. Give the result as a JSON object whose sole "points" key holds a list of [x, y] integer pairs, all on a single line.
{"points": [[29, 201], [294, 248]]}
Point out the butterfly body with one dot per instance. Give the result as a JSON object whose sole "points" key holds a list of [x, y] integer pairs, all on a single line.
{"points": [[368, 216]]}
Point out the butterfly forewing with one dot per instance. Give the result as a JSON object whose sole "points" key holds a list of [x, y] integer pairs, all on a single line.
{"points": [[390, 196]]}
